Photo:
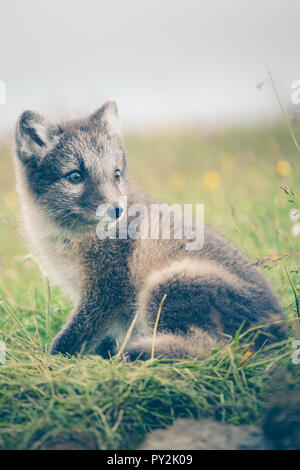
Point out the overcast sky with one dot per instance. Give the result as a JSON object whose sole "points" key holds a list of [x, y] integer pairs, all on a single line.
{"points": [[163, 61]]}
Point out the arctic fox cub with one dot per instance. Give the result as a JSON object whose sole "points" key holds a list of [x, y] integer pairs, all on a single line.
{"points": [[64, 173]]}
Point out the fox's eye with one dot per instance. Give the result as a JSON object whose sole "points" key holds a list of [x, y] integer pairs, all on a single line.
{"points": [[117, 175], [75, 177]]}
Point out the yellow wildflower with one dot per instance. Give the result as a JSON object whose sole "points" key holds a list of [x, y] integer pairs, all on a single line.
{"points": [[211, 180], [283, 168]]}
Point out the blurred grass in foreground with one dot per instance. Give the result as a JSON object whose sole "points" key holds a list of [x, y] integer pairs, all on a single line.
{"points": [[237, 173]]}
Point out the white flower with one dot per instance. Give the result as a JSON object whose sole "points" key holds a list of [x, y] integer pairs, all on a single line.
{"points": [[295, 230]]}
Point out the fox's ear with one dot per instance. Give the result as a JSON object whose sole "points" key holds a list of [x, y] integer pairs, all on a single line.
{"points": [[34, 135], [107, 118]]}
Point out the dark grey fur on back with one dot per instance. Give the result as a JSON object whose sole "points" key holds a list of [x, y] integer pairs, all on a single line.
{"points": [[210, 293]]}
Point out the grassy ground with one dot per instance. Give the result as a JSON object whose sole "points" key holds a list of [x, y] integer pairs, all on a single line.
{"points": [[44, 400]]}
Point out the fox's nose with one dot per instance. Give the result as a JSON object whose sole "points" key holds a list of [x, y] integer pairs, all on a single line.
{"points": [[115, 212]]}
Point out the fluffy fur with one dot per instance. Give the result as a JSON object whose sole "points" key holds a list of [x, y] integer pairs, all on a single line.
{"points": [[210, 292]]}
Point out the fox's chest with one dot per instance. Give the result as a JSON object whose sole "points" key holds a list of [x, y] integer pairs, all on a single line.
{"points": [[59, 260], [57, 256]]}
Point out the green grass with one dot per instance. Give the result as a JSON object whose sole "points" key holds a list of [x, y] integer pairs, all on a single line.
{"points": [[112, 404]]}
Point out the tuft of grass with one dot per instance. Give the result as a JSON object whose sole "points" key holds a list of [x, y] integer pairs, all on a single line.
{"points": [[111, 404]]}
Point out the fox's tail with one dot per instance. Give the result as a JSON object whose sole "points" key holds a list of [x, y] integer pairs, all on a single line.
{"points": [[204, 304]]}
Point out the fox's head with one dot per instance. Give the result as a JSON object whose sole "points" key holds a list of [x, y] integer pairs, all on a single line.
{"points": [[73, 168]]}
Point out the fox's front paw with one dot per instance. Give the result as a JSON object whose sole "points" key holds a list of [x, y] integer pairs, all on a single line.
{"points": [[61, 346]]}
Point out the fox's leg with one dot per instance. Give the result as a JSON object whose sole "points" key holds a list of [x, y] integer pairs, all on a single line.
{"points": [[85, 326], [203, 296]]}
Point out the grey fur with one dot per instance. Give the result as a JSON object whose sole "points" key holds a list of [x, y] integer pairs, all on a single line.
{"points": [[209, 292]]}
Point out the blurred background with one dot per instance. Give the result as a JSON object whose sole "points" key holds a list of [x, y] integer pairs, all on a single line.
{"points": [[166, 63]]}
